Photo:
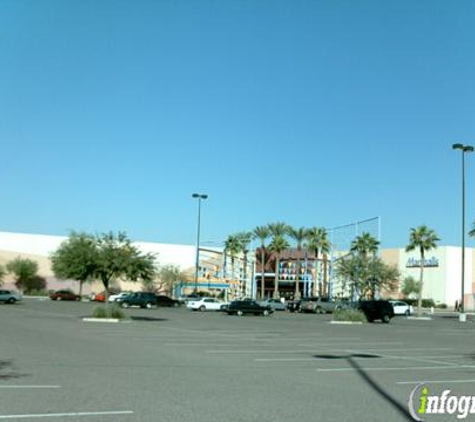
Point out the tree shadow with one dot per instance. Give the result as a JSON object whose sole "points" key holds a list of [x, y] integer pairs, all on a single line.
{"points": [[147, 318], [373, 384], [6, 365]]}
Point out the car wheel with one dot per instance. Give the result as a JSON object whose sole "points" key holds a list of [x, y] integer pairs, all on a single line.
{"points": [[319, 310], [407, 313], [265, 313], [202, 308], [59, 298], [176, 305], [148, 305], [125, 305], [11, 300], [240, 313], [386, 319]]}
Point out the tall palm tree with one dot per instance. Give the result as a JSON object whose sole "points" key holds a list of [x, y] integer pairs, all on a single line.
{"points": [[277, 246], [365, 244], [423, 239], [232, 248], [319, 243], [262, 233], [244, 239], [299, 235]]}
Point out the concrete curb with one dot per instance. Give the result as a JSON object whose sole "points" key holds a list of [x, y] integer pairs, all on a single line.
{"points": [[104, 320], [347, 322], [423, 318]]}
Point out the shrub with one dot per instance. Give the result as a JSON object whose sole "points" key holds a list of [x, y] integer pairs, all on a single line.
{"points": [[353, 315], [114, 312], [40, 292], [441, 306]]}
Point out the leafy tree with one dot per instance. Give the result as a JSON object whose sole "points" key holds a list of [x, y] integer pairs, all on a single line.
{"points": [[277, 246], [319, 243], [2, 274], [76, 258], [423, 239], [365, 244], [169, 276], [409, 286], [262, 233], [25, 271], [232, 247], [299, 235], [117, 257], [367, 274], [244, 239]]}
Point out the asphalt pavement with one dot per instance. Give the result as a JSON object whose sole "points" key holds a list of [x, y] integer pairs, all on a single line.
{"points": [[176, 365]]}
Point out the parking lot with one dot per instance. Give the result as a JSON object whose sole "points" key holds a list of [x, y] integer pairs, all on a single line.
{"points": [[176, 365]]}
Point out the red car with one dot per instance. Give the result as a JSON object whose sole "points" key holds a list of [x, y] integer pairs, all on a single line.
{"points": [[64, 295]]}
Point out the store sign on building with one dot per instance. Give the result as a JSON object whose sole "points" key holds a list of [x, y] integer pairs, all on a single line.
{"points": [[428, 262]]}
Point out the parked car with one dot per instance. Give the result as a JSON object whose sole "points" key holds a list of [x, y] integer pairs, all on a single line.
{"points": [[114, 297], [64, 295], [401, 308], [167, 301], [320, 305], [241, 307], [205, 304], [185, 298], [275, 304], [376, 309], [294, 305], [101, 296], [142, 299], [10, 296]]}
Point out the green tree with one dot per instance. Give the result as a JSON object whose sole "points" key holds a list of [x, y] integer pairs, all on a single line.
{"points": [[76, 258], [365, 245], [3, 273], [25, 271], [422, 239], [318, 243], [117, 257], [262, 233], [409, 286], [278, 244], [298, 235], [232, 247], [367, 275], [245, 239]]}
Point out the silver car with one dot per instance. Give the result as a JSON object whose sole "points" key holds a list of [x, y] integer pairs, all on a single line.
{"points": [[9, 296], [275, 304]]}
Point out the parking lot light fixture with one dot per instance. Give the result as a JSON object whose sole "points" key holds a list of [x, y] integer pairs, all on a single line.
{"points": [[200, 197], [464, 149]]}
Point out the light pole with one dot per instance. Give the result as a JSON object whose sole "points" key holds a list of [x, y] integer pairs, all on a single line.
{"points": [[198, 196], [464, 149]]}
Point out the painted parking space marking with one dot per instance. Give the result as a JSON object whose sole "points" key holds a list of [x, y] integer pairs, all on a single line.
{"points": [[70, 414], [408, 368], [30, 386], [435, 382]]}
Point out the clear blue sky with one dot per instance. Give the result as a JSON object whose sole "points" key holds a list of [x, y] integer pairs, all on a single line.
{"points": [[113, 112]]}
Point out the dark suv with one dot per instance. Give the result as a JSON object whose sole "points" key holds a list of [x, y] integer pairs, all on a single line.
{"points": [[377, 309], [142, 299]]}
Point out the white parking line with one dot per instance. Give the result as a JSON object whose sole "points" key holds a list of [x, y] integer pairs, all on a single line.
{"points": [[409, 368], [435, 382], [71, 414], [30, 386]]}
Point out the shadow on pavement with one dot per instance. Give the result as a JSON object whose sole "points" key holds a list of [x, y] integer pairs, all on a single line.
{"points": [[147, 318], [6, 365]]}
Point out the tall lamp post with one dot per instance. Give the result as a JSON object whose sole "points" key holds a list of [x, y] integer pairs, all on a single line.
{"points": [[464, 149], [198, 196]]}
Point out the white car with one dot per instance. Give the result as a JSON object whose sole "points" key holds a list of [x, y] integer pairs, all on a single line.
{"points": [[9, 296], [205, 304], [401, 308], [113, 298]]}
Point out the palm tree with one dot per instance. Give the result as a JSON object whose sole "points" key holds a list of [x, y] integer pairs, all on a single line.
{"points": [[244, 239], [299, 235], [365, 244], [318, 242], [232, 247], [424, 239], [262, 233], [277, 246]]}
